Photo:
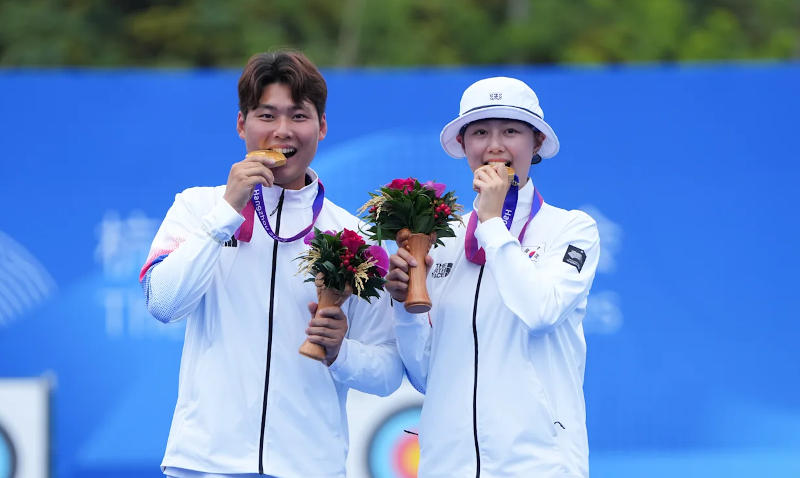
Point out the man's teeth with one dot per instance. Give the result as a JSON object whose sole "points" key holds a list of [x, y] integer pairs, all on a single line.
{"points": [[284, 150]]}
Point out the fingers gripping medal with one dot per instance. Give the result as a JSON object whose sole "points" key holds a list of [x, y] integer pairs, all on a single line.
{"points": [[511, 174], [255, 207]]}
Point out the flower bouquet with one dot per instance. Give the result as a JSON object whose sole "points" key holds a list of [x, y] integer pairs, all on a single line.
{"points": [[417, 216], [341, 264]]}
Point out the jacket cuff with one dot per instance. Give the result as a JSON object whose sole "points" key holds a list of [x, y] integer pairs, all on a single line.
{"points": [[402, 317], [222, 221], [492, 234], [339, 366]]}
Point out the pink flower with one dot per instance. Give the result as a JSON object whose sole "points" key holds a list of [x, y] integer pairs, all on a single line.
{"points": [[405, 185], [379, 255], [438, 188], [310, 236], [352, 241]]}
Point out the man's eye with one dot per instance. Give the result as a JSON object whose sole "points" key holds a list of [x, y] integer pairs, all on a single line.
{"points": [[300, 116], [479, 132], [511, 131], [266, 116]]}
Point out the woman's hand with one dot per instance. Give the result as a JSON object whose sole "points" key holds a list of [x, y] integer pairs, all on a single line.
{"points": [[491, 182]]}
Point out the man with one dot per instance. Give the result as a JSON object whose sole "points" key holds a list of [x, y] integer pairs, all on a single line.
{"points": [[223, 259]]}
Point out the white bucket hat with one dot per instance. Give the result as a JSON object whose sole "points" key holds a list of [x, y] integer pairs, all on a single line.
{"points": [[499, 97]]}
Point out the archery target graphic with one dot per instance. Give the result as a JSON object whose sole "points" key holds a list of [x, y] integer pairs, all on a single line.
{"points": [[24, 427], [393, 453], [8, 457]]}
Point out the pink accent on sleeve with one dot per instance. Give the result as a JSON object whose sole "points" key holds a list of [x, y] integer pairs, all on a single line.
{"points": [[158, 253], [245, 231]]}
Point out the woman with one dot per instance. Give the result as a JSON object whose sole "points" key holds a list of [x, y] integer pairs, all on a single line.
{"points": [[500, 357]]}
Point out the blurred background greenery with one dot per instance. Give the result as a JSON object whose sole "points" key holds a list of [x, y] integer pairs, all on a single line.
{"points": [[224, 33]]}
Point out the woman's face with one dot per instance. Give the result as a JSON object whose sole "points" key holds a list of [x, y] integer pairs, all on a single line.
{"points": [[511, 142]]}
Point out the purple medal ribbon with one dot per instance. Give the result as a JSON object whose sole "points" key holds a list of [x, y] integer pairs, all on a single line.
{"points": [[477, 255], [258, 203]]}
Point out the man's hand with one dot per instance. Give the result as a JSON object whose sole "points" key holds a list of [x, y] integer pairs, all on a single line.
{"points": [[397, 278], [492, 183], [243, 178], [327, 327]]}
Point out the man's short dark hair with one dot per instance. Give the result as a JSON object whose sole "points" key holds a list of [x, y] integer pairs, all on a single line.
{"points": [[287, 67]]}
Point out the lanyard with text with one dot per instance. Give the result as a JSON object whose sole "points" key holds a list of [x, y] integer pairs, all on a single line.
{"points": [[258, 203]]}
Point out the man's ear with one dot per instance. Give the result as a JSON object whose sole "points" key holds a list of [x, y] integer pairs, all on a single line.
{"points": [[240, 124], [323, 127]]}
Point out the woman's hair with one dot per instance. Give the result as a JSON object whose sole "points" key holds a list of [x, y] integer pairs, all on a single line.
{"points": [[287, 67]]}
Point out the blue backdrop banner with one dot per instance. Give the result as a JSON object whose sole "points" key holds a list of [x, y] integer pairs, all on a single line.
{"points": [[692, 367]]}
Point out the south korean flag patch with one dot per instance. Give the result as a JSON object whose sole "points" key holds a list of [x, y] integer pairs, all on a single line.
{"points": [[575, 257]]}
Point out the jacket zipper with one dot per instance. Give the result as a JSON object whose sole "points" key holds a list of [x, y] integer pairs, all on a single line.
{"points": [[475, 386], [269, 336]]}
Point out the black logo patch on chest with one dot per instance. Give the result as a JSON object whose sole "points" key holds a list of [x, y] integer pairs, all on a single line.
{"points": [[575, 257], [441, 270], [232, 242]]}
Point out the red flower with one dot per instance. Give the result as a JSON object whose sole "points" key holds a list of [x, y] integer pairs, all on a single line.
{"points": [[405, 185], [352, 241]]}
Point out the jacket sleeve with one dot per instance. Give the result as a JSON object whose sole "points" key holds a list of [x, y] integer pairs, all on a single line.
{"points": [[368, 360], [414, 343], [186, 248], [543, 293]]}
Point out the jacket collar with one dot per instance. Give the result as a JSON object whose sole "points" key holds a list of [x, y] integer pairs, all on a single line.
{"points": [[294, 198]]}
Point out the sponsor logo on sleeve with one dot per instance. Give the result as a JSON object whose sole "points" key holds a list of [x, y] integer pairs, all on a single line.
{"points": [[575, 257]]}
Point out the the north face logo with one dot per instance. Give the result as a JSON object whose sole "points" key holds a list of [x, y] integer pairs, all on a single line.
{"points": [[575, 257], [441, 270]]}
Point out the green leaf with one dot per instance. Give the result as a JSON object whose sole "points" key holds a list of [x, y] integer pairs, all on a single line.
{"points": [[427, 225], [423, 202]]}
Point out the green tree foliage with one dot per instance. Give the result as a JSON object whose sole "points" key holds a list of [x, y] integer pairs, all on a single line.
{"points": [[214, 33]]}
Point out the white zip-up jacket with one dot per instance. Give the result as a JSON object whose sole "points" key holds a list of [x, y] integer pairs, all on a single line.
{"points": [[500, 357], [248, 402]]}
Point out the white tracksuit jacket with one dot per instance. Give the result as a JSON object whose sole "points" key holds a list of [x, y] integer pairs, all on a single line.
{"points": [[501, 356], [248, 402]]}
